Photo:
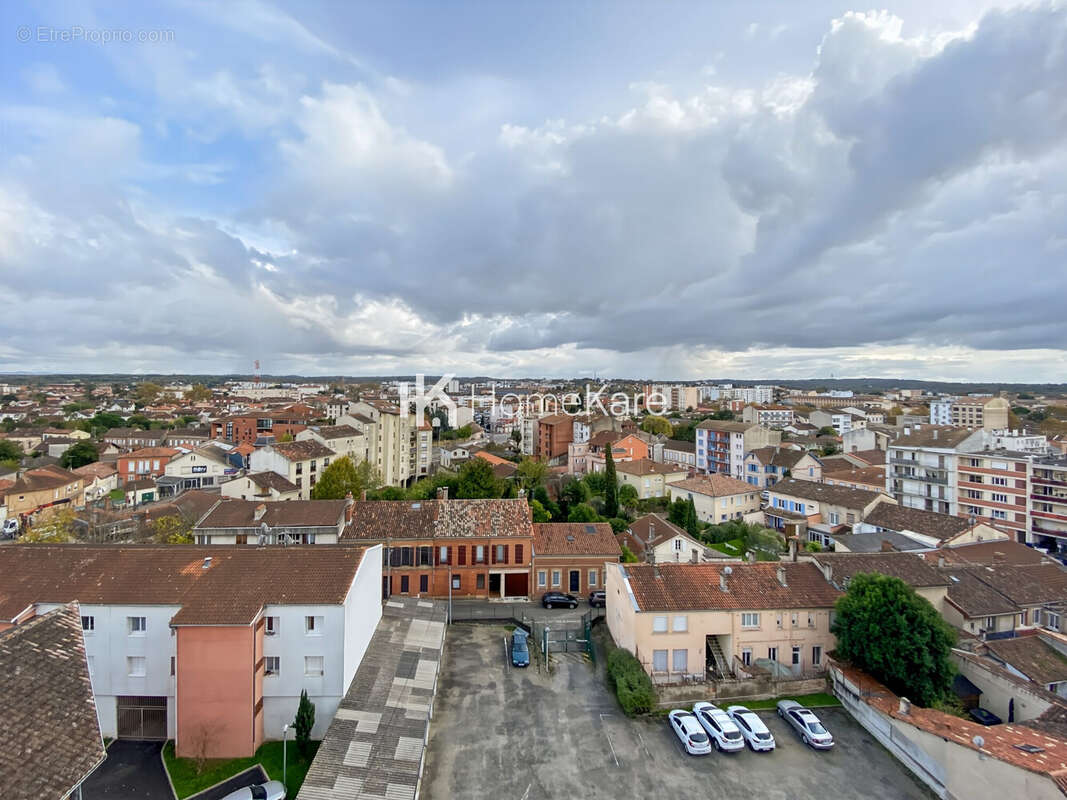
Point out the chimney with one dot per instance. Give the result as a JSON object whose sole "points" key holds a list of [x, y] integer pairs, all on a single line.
{"points": [[794, 545], [363, 495], [722, 582], [781, 577], [905, 706], [442, 492], [935, 434], [651, 530], [828, 572], [887, 546], [261, 509], [940, 562], [350, 507]]}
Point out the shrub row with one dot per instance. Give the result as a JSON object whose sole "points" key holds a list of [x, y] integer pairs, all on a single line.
{"points": [[631, 683]]}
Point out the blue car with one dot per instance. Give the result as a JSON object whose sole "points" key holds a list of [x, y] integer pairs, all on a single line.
{"points": [[520, 650]]}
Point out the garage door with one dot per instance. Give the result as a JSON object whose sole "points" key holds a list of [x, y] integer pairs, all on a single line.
{"points": [[142, 717], [516, 584]]}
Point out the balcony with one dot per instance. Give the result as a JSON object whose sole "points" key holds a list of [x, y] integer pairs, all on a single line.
{"points": [[1047, 481], [1035, 528]]}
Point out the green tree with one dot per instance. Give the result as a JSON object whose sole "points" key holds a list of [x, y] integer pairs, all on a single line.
{"points": [[611, 491], [476, 480], [106, 420], [305, 721], [198, 393], [677, 512], [656, 425], [538, 512], [574, 492], [628, 496], [79, 454], [884, 628], [540, 494], [628, 556], [724, 414], [516, 437], [692, 524], [147, 392], [597, 482], [827, 430], [55, 528], [171, 529], [582, 512], [342, 477], [10, 451], [531, 472], [766, 543]]}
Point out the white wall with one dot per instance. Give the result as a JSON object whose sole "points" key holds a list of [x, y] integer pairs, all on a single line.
{"points": [[362, 611]]}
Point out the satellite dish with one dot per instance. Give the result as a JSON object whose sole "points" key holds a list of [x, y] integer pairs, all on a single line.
{"points": [[727, 570], [979, 742]]}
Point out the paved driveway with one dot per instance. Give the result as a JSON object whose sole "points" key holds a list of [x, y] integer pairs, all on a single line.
{"points": [[131, 771], [541, 736], [468, 609]]}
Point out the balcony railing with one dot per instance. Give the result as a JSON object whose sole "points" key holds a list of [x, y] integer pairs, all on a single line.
{"points": [[1048, 531]]}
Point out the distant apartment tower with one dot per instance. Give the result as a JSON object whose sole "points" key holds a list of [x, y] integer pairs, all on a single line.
{"points": [[922, 466], [398, 448], [554, 434], [989, 413], [993, 487]]}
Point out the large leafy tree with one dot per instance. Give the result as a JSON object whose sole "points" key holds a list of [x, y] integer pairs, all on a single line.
{"points": [[574, 492], [611, 488], [532, 472], [886, 629], [79, 454], [477, 481], [342, 477], [628, 496], [657, 425], [582, 512], [10, 451]]}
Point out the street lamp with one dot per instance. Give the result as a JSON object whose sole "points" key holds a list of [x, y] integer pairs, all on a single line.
{"points": [[285, 734], [449, 594]]}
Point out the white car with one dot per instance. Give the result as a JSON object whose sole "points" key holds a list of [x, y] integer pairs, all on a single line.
{"points": [[724, 734], [685, 726], [10, 528], [271, 790], [752, 728], [806, 724]]}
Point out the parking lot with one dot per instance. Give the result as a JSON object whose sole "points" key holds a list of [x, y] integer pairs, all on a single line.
{"points": [[524, 734]]}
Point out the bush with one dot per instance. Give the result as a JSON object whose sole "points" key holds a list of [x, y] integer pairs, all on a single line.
{"points": [[631, 683]]}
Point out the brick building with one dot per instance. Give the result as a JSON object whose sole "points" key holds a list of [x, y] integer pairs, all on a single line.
{"points": [[554, 434], [148, 462], [570, 556], [246, 428]]}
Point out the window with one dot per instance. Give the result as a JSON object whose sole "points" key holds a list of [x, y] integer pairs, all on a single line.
{"points": [[778, 621], [136, 626], [998, 514], [480, 581], [816, 655], [835, 518], [677, 544], [811, 620], [313, 666], [796, 656], [659, 624], [750, 619], [424, 583], [88, 624], [172, 666], [442, 555], [455, 581], [501, 554], [518, 554], [462, 560], [592, 577], [999, 481], [999, 498], [680, 660], [542, 578], [405, 584], [772, 653], [424, 557], [794, 619], [680, 623], [272, 626], [555, 577], [135, 666], [273, 665], [990, 623], [746, 656], [313, 626], [479, 554], [659, 660]]}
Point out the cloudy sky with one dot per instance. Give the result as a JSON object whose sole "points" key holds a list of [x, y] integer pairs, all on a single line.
{"points": [[669, 190]]}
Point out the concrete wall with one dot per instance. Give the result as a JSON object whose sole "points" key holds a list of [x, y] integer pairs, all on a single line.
{"points": [[999, 689]]}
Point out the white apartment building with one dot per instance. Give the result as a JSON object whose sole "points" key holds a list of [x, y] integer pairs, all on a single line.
{"points": [[196, 469], [921, 466], [771, 416], [299, 462], [168, 660]]}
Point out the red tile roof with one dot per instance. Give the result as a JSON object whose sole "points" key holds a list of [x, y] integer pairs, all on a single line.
{"points": [[715, 485], [696, 587], [379, 520], [645, 466], [575, 538]]}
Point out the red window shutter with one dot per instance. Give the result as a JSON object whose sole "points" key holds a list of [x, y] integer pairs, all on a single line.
{"points": [[518, 554], [492, 554], [449, 556], [462, 555], [436, 556], [505, 554]]}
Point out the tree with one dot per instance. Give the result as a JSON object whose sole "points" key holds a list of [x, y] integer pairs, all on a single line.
{"points": [[531, 472], [305, 721], [764, 542], [540, 494], [724, 414], [106, 420], [611, 490], [574, 492], [884, 628], [171, 529], [10, 451], [582, 512], [476, 480], [342, 477], [516, 437], [628, 556], [538, 512], [198, 393], [79, 454], [656, 425], [56, 528], [597, 482], [827, 430], [692, 524], [677, 512], [628, 496], [147, 392]]}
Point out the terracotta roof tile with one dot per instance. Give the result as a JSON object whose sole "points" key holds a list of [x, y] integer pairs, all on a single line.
{"points": [[820, 492], [910, 568], [301, 451], [692, 587], [1031, 656], [929, 523], [714, 485], [378, 520], [50, 740], [575, 538], [234, 513]]}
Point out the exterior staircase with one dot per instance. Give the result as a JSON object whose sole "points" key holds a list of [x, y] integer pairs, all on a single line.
{"points": [[721, 668]]}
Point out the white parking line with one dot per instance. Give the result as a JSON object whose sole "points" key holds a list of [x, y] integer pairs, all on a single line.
{"points": [[507, 659], [606, 736], [645, 746]]}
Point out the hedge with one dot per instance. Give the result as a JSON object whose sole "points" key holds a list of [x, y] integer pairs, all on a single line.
{"points": [[631, 683]]}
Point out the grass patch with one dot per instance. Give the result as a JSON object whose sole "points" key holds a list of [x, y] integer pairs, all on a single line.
{"points": [[817, 700], [187, 782], [733, 547]]}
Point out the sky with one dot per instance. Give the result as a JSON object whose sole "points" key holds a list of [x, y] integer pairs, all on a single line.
{"points": [[657, 190]]}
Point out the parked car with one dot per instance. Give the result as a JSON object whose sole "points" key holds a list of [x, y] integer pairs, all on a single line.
{"points": [[271, 790], [520, 649], [806, 724], [984, 717], [553, 599], [689, 731], [752, 728], [10, 528], [598, 599], [724, 734]]}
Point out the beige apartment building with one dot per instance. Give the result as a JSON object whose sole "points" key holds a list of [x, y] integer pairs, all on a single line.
{"points": [[398, 449], [701, 621], [650, 478], [716, 497]]}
